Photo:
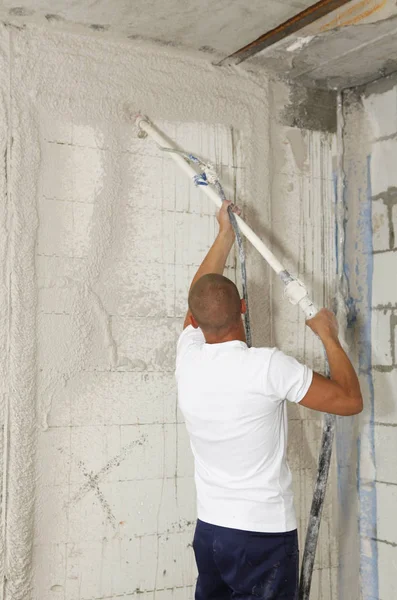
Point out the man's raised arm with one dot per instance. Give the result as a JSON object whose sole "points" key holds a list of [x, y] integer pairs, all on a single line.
{"points": [[215, 260]]}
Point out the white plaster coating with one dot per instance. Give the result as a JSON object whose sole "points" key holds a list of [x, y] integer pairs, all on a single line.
{"points": [[4, 294], [99, 227], [120, 235], [299, 43], [21, 223]]}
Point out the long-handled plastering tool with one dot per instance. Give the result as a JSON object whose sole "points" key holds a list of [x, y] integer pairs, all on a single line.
{"points": [[296, 293]]}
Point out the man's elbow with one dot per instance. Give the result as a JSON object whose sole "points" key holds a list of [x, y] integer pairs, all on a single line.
{"points": [[354, 406]]}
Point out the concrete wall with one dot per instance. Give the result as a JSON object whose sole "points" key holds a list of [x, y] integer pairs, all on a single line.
{"points": [[370, 267], [303, 232], [100, 238]]}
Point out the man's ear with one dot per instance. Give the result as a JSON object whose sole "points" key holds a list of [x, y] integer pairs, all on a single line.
{"points": [[193, 321], [190, 320], [243, 306]]}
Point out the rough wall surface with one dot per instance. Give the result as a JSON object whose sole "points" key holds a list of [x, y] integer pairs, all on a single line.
{"points": [[303, 233], [117, 245], [370, 264], [102, 237]]}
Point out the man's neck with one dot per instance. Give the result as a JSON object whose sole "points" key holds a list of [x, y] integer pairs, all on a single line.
{"points": [[232, 336]]}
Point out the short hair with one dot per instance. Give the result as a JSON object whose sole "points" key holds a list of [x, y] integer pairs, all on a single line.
{"points": [[214, 302]]}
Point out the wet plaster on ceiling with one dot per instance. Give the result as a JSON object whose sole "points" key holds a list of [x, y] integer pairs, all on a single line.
{"points": [[218, 27]]}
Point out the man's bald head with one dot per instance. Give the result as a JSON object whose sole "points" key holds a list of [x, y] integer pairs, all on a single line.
{"points": [[215, 303]]}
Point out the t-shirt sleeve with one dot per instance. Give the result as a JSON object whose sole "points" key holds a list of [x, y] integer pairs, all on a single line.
{"points": [[287, 378], [189, 337]]}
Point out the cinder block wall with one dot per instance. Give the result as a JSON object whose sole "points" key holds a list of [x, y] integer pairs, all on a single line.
{"points": [[371, 268]]}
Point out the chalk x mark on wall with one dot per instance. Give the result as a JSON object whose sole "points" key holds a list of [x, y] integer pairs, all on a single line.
{"points": [[92, 483]]}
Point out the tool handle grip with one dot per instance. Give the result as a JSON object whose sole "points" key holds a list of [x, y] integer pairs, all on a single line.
{"points": [[296, 293], [308, 307]]}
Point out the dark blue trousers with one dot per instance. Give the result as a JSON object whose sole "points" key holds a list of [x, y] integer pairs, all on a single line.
{"points": [[235, 564]]}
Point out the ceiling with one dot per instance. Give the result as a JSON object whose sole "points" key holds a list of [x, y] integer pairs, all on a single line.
{"points": [[215, 26], [352, 45]]}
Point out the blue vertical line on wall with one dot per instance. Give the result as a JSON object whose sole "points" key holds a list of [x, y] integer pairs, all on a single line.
{"points": [[367, 489], [345, 428]]}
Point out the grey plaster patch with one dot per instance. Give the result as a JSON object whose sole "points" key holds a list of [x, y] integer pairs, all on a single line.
{"points": [[310, 109]]}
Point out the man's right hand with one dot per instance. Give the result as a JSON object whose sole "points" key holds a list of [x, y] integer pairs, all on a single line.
{"points": [[325, 325], [341, 394]]}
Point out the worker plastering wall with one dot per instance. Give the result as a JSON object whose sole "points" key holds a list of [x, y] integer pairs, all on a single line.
{"points": [[101, 236]]}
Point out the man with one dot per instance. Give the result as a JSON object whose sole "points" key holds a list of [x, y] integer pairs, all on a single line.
{"points": [[233, 400]]}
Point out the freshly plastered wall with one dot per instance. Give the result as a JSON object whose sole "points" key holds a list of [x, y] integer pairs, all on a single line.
{"points": [[370, 145], [100, 237]]}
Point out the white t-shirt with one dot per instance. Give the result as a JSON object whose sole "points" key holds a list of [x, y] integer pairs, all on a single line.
{"points": [[233, 401]]}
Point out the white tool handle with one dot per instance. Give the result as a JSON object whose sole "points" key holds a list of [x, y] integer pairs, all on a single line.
{"points": [[304, 302], [296, 293]]}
